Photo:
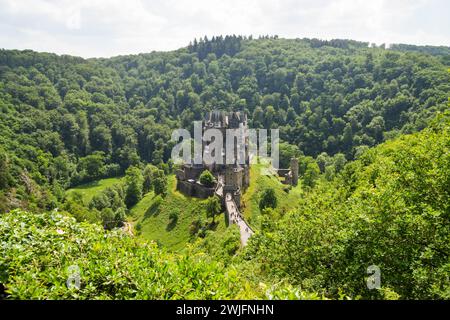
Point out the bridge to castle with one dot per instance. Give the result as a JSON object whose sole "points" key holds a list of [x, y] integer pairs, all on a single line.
{"points": [[234, 215]]}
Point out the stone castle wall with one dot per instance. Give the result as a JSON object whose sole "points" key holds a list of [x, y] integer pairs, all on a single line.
{"points": [[193, 189]]}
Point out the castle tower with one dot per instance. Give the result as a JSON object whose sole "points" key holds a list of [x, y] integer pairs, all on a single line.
{"points": [[294, 171], [233, 178]]}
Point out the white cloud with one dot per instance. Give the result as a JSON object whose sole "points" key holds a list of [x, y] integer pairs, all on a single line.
{"points": [[105, 28], [74, 20]]}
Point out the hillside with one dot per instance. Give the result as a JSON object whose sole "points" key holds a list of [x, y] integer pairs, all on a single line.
{"points": [[90, 189], [70, 121], [85, 147], [151, 218], [288, 197], [390, 208], [392, 202]]}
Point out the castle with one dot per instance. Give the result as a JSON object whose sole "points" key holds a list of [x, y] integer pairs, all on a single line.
{"points": [[231, 178]]}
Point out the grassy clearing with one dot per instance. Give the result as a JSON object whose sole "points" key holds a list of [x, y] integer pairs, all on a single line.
{"points": [[89, 190], [258, 182], [151, 217]]}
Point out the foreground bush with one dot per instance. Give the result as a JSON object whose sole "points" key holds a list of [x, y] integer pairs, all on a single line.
{"points": [[390, 208], [38, 251]]}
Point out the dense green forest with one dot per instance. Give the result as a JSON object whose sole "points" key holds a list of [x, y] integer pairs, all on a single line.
{"points": [[390, 208], [368, 124]]}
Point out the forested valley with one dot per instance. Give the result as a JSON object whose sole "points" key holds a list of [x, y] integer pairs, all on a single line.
{"points": [[85, 147]]}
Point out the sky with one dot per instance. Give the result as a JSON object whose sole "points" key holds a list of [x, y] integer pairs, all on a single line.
{"points": [[105, 28]]}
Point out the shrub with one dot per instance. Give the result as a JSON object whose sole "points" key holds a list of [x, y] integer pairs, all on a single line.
{"points": [[38, 249], [207, 179], [268, 199]]}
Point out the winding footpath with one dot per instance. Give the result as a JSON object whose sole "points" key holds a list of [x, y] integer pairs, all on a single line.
{"points": [[128, 228], [234, 215]]}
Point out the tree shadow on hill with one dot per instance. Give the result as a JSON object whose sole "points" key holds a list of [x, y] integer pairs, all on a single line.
{"points": [[213, 225], [153, 210], [172, 223], [88, 185], [227, 219]]}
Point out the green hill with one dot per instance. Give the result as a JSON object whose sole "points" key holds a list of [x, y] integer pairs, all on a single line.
{"points": [[68, 120], [151, 217], [89, 190], [288, 197], [389, 209]]}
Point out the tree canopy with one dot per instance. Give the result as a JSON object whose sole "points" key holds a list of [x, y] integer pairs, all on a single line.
{"points": [[367, 124]]}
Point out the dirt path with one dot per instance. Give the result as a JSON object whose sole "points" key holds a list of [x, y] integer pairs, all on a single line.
{"points": [[128, 228]]}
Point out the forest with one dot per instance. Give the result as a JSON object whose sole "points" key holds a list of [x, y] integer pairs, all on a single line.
{"points": [[370, 126]]}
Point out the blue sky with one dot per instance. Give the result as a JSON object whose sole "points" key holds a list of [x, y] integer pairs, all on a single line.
{"points": [[104, 28]]}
